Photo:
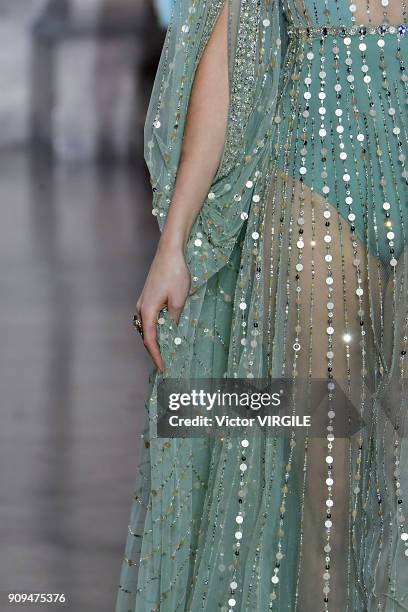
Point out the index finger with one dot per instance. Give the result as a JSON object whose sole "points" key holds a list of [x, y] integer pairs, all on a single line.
{"points": [[150, 337]]}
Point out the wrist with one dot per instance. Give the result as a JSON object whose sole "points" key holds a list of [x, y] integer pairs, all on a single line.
{"points": [[175, 234], [173, 242]]}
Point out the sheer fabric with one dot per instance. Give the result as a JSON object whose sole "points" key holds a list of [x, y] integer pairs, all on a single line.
{"points": [[299, 268]]}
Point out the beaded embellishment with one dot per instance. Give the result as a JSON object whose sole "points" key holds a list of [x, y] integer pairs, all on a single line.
{"points": [[299, 269]]}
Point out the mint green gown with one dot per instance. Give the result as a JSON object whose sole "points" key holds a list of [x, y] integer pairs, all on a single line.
{"points": [[299, 268]]}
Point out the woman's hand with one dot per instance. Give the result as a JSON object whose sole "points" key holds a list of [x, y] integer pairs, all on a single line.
{"points": [[167, 284]]}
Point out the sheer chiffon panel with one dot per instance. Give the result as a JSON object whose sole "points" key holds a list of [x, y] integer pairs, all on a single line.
{"points": [[368, 303], [302, 297]]}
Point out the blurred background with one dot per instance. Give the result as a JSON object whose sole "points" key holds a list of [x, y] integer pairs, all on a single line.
{"points": [[76, 240]]}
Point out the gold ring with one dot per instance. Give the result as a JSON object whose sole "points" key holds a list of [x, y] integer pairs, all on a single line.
{"points": [[137, 324]]}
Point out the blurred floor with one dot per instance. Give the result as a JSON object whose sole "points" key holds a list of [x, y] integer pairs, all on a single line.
{"points": [[75, 244]]}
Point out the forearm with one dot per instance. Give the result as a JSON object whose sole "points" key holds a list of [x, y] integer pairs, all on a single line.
{"points": [[204, 137]]}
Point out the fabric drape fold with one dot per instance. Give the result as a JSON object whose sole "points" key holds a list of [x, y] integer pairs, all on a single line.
{"points": [[213, 253]]}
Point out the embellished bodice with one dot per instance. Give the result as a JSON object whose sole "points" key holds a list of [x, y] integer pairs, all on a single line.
{"points": [[374, 15], [345, 88]]}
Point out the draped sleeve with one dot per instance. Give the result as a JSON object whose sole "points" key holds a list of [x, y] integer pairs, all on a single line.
{"points": [[255, 50], [165, 494]]}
